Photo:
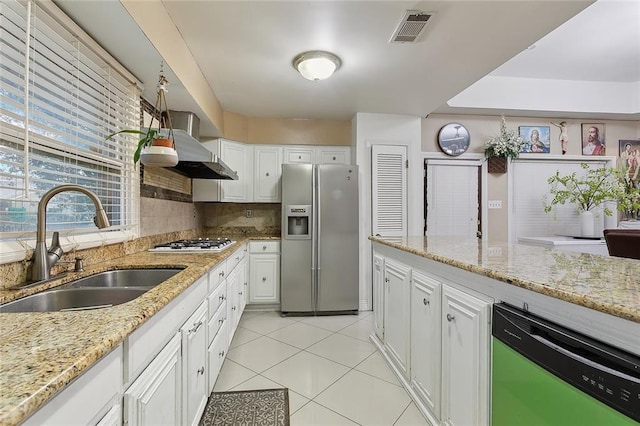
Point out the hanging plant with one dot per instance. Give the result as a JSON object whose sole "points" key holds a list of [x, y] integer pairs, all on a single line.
{"points": [[507, 144]]}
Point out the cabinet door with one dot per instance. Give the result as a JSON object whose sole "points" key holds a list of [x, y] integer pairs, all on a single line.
{"points": [[333, 155], [465, 358], [216, 354], [425, 340], [155, 396], [298, 155], [243, 285], [240, 159], [268, 169], [233, 302], [264, 282], [396, 313], [194, 377], [378, 296]]}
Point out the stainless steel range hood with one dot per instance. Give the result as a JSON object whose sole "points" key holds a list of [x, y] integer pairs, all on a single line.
{"points": [[194, 160]]}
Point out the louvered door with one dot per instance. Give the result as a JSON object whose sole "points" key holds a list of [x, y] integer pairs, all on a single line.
{"points": [[389, 190]]}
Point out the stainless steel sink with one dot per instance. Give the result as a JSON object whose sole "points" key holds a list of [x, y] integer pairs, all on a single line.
{"points": [[148, 278], [73, 299], [101, 290]]}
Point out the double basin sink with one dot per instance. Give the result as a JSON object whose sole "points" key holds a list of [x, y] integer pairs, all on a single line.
{"points": [[101, 290]]}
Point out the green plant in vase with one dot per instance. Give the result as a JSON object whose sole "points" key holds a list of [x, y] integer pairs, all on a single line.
{"points": [[629, 198]]}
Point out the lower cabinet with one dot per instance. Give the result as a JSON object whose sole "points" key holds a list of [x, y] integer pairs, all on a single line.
{"points": [[264, 270], [194, 360], [378, 296], [437, 336], [154, 398]]}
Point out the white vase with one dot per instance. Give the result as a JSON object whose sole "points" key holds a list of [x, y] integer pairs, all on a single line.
{"points": [[611, 222], [586, 224]]}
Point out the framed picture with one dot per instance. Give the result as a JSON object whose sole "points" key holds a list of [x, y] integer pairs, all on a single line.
{"points": [[536, 139], [593, 139], [630, 157]]}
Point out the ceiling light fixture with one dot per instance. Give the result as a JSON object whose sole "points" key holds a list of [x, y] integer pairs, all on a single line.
{"points": [[316, 64]]}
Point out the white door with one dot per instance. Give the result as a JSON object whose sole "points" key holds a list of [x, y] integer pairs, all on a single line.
{"points": [[389, 190], [268, 168], [426, 340], [465, 358], [265, 278], [155, 397], [239, 157], [194, 377], [452, 195], [396, 313]]}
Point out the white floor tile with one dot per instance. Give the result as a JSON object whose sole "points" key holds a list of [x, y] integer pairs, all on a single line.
{"points": [[256, 383], [376, 366], [231, 374], [343, 349], [360, 330], [242, 336], [365, 399], [266, 323], [300, 335], [260, 354], [313, 414], [306, 374], [411, 417], [330, 322], [296, 401]]}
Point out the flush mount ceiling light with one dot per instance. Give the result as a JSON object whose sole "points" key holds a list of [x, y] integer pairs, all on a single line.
{"points": [[317, 64]]}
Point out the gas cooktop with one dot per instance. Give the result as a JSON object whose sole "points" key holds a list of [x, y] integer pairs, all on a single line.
{"points": [[198, 245]]}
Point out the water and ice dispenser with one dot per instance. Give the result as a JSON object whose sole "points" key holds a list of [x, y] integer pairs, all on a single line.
{"points": [[298, 222]]}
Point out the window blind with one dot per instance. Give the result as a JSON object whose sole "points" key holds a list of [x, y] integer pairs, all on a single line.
{"points": [[60, 97]]}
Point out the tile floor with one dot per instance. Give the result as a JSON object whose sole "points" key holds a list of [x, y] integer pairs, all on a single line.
{"points": [[335, 375]]}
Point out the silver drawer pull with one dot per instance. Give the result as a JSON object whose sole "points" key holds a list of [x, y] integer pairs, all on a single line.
{"points": [[221, 273], [425, 301], [221, 354], [450, 317], [201, 370]]}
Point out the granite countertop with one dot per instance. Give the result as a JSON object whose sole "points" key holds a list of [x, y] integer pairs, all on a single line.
{"points": [[606, 284], [42, 352]]}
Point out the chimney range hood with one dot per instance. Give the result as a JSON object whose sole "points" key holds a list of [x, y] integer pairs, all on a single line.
{"points": [[194, 160]]}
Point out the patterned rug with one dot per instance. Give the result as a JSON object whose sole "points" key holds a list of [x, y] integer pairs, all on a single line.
{"points": [[269, 407]]}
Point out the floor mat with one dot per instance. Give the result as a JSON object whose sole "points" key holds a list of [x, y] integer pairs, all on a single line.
{"points": [[269, 407]]}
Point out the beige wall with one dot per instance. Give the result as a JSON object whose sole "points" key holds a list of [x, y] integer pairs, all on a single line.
{"points": [[482, 127], [286, 130], [233, 215]]}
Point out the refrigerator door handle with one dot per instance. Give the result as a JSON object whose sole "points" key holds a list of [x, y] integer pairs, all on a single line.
{"points": [[315, 233]]}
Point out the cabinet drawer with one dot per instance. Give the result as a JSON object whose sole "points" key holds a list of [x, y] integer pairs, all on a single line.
{"points": [[216, 322], [264, 247], [333, 157], [215, 355], [217, 275], [304, 156], [235, 258], [216, 299]]}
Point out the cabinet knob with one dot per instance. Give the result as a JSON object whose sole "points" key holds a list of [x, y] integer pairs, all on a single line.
{"points": [[264, 247], [221, 297], [386, 280], [425, 301], [221, 354], [240, 293], [299, 157], [221, 273], [267, 174], [334, 158], [233, 308], [201, 370], [450, 317], [221, 321], [264, 279]]}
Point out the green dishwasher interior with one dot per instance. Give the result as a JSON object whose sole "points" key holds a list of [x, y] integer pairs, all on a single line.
{"points": [[526, 394]]}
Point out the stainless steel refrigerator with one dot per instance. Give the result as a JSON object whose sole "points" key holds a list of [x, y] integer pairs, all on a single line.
{"points": [[319, 247]]}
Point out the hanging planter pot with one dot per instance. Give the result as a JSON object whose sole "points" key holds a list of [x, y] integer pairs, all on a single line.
{"points": [[497, 165]]}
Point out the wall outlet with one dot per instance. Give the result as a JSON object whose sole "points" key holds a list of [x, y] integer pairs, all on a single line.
{"points": [[495, 204], [495, 251], [249, 212]]}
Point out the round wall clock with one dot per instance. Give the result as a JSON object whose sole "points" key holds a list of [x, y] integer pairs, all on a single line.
{"points": [[453, 139]]}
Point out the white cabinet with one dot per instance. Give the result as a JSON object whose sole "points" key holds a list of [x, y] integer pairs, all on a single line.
{"points": [[299, 155], [155, 396], [194, 378], [333, 155], [233, 301], [465, 358], [268, 169], [378, 296], [396, 313], [425, 340], [264, 271]]}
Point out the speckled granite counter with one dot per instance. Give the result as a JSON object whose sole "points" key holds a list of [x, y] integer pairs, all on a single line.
{"points": [[40, 353], [606, 284]]}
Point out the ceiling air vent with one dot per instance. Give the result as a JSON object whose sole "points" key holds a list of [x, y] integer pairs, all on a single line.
{"points": [[412, 25]]}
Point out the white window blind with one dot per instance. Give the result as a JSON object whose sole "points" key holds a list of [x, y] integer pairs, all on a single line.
{"points": [[60, 96], [389, 190], [529, 189], [452, 198]]}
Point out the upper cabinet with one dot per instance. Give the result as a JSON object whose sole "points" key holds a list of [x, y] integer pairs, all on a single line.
{"points": [[259, 168]]}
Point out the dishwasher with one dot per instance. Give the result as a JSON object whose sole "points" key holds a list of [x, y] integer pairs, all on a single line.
{"points": [[547, 375]]}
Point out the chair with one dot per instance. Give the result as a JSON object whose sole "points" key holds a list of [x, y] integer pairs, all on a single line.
{"points": [[623, 242]]}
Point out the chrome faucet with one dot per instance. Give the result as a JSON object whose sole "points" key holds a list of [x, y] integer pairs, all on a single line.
{"points": [[43, 258]]}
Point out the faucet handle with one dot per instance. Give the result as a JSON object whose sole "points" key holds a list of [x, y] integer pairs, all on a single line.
{"points": [[79, 267], [55, 246]]}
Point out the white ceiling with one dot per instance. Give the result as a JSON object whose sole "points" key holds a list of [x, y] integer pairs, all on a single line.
{"points": [[244, 50]]}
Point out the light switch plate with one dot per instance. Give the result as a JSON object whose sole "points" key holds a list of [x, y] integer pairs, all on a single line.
{"points": [[495, 204]]}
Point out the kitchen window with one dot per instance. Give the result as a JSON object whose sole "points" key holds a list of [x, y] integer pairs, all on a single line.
{"points": [[61, 94]]}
